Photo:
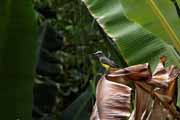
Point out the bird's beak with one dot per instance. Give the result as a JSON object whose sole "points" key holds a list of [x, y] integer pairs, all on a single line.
{"points": [[94, 54]]}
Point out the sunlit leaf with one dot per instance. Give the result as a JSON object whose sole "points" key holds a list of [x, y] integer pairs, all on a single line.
{"points": [[134, 43], [149, 20]]}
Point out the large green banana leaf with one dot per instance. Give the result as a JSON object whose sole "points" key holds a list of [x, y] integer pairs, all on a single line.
{"points": [[135, 43], [17, 58], [145, 16]]}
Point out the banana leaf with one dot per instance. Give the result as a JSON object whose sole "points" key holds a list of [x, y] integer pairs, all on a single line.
{"points": [[17, 58], [148, 19], [154, 102], [112, 100], [134, 43], [80, 108], [156, 93]]}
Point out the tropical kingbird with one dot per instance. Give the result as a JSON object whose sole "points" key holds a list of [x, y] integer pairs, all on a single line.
{"points": [[105, 61]]}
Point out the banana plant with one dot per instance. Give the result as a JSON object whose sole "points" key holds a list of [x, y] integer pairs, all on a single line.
{"points": [[17, 58], [119, 19], [155, 94], [142, 31]]}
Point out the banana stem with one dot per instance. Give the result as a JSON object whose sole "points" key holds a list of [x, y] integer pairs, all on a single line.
{"points": [[165, 24]]}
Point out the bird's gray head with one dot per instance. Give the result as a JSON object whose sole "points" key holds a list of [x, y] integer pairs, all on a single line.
{"points": [[98, 54]]}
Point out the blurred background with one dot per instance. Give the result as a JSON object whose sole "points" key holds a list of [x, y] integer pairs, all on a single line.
{"points": [[66, 72]]}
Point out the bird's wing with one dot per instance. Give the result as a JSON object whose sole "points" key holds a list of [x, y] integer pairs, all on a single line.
{"points": [[109, 62]]}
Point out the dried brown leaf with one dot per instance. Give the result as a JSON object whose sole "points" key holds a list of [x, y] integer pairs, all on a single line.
{"points": [[112, 101], [163, 91], [156, 94]]}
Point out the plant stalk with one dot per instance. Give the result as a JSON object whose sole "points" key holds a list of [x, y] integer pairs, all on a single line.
{"points": [[165, 24]]}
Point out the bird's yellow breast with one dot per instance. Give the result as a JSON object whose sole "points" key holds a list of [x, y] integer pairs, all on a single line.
{"points": [[106, 66]]}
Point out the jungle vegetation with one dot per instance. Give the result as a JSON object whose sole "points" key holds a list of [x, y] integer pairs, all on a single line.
{"points": [[47, 45]]}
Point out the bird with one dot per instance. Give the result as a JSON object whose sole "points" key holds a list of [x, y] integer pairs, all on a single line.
{"points": [[105, 61]]}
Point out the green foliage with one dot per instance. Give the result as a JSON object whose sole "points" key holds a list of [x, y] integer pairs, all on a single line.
{"points": [[81, 33], [82, 38], [18, 57], [149, 20], [79, 109], [131, 43], [135, 44]]}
